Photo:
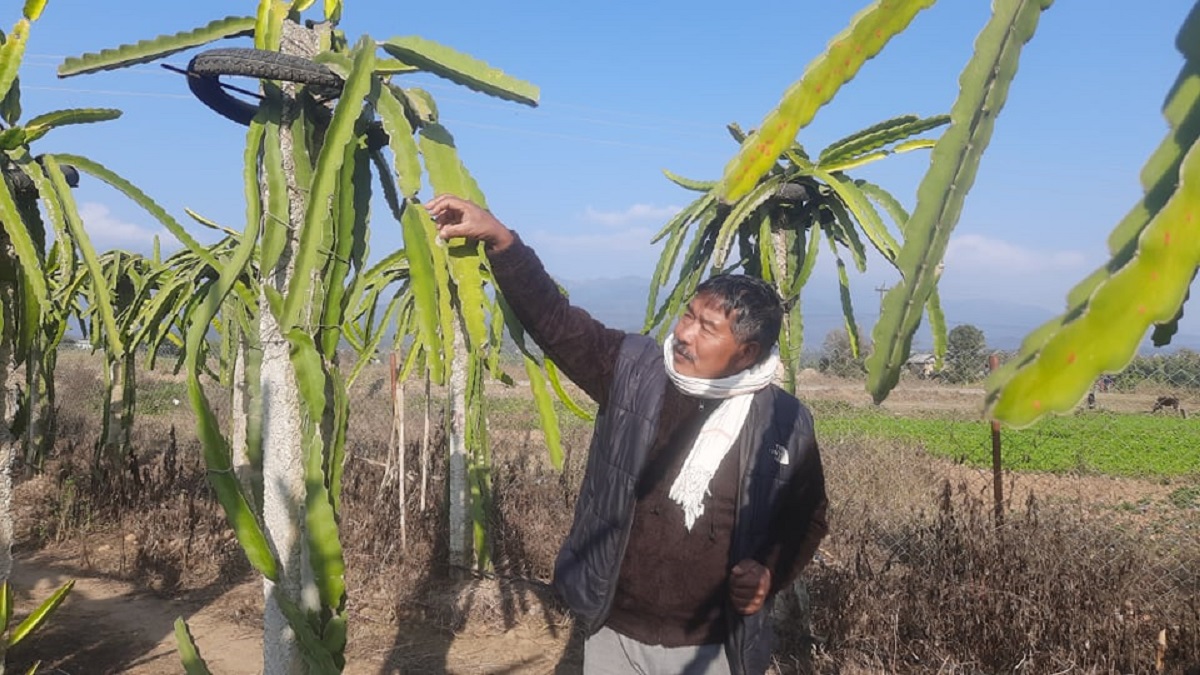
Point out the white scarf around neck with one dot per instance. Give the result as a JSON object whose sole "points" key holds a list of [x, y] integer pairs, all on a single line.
{"points": [[720, 429]]}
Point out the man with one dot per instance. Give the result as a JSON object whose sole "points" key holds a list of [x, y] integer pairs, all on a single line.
{"points": [[703, 494]]}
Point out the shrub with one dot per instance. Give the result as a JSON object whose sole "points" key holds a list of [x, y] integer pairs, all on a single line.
{"points": [[932, 585]]}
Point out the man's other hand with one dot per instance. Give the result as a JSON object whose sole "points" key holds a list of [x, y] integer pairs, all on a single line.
{"points": [[749, 583], [458, 217]]}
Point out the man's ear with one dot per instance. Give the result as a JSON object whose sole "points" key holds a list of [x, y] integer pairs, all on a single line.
{"points": [[750, 352]]}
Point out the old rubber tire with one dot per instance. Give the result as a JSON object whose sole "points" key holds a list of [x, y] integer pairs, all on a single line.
{"points": [[793, 192], [22, 183], [206, 68]]}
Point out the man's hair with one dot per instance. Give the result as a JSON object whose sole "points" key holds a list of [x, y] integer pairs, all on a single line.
{"points": [[755, 310]]}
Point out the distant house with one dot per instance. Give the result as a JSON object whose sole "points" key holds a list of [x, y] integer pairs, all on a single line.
{"points": [[923, 366]]}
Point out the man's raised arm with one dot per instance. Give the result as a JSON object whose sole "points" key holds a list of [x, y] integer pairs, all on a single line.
{"points": [[583, 348]]}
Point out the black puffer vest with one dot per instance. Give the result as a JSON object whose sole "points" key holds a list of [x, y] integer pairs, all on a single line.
{"points": [[769, 448]]}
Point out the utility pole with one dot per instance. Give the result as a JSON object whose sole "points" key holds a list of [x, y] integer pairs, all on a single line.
{"points": [[881, 290]]}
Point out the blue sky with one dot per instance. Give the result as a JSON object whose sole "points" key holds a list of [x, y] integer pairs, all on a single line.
{"points": [[629, 89]]}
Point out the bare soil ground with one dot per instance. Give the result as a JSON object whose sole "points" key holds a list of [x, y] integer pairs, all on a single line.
{"points": [[110, 625]]}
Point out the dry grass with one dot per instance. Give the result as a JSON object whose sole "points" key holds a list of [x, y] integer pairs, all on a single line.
{"points": [[915, 577]]}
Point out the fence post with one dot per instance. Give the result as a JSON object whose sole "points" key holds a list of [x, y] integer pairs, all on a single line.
{"points": [[997, 476]]}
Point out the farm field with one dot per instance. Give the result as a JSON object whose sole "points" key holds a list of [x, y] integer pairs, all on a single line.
{"points": [[1119, 437], [905, 487], [1125, 444]]}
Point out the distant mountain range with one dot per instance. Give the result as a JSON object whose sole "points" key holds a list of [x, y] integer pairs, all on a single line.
{"points": [[621, 303]]}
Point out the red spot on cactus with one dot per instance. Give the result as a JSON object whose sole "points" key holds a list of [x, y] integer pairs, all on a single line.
{"points": [[1153, 275], [1070, 358], [1037, 405], [1141, 309], [1167, 238]]}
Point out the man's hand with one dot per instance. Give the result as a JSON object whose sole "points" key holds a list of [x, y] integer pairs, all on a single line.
{"points": [[457, 217], [749, 583]]}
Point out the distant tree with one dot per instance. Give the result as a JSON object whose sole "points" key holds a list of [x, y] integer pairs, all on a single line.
{"points": [[966, 354], [838, 357], [1178, 370]]}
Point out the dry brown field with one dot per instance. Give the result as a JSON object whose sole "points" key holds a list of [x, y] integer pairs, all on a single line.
{"points": [[1087, 574]]}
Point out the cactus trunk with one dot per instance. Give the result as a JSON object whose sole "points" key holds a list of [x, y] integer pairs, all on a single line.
{"points": [[9, 445], [460, 493], [283, 454]]}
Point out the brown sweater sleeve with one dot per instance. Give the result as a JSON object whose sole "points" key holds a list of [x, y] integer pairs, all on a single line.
{"points": [[582, 347]]}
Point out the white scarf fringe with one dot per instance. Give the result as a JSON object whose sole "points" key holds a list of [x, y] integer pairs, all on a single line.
{"points": [[720, 430]]}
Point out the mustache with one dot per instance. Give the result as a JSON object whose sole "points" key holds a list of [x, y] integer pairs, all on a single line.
{"points": [[683, 353]]}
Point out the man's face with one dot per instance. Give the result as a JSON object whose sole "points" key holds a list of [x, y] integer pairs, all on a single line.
{"points": [[705, 345]]}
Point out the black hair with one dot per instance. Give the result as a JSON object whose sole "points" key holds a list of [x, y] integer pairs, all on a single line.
{"points": [[754, 307]]}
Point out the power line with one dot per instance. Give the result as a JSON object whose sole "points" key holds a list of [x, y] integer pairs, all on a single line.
{"points": [[669, 125], [106, 92], [570, 137], [455, 121], [662, 123], [670, 129], [136, 69]]}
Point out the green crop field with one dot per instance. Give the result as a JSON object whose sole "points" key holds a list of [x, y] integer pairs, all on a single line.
{"points": [[1091, 442]]}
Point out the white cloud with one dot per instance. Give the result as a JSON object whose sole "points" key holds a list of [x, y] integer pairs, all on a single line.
{"points": [[597, 254], [982, 267], [636, 214], [598, 243], [620, 246], [109, 232], [989, 256]]}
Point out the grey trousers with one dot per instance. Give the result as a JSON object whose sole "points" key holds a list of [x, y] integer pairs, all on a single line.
{"points": [[610, 653]]}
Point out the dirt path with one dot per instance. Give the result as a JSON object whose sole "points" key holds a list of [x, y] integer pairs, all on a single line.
{"points": [[108, 625]]}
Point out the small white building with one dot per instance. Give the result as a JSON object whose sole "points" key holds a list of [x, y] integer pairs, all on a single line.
{"points": [[922, 365]]}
